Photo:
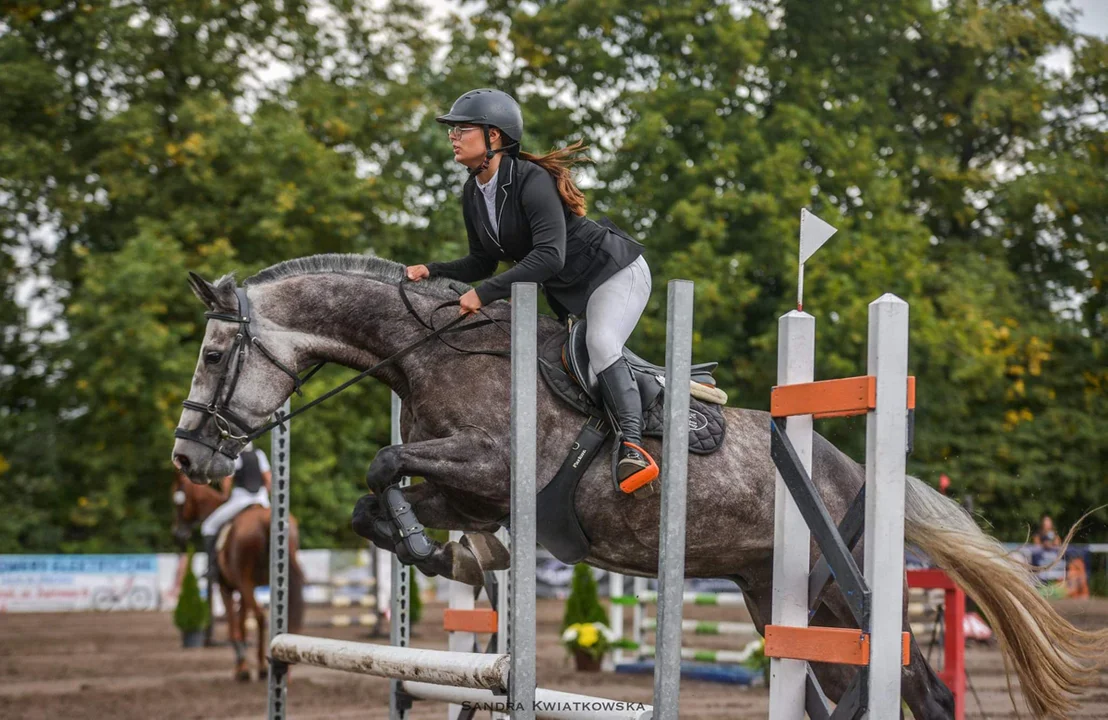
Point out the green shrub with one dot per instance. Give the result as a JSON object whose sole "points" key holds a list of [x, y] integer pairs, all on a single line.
{"points": [[583, 604], [191, 613]]}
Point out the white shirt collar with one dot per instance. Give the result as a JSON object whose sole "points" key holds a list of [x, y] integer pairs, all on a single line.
{"points": [[490, 184]]}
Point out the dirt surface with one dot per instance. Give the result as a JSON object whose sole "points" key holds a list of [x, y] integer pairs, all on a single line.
{"points": [[131, 665]]}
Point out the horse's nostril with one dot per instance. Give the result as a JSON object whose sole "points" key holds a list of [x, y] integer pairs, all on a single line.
{"points": [[182, 462]]}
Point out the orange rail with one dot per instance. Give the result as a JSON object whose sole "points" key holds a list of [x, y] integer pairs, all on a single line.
{"points": [[831, 398], [474, 621], [821, 644]]}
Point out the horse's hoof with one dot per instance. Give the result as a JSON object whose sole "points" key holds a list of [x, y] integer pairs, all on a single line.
{"points": [[488, 550], [464, 566], [263, 674], [242, 675], [366, 521]]}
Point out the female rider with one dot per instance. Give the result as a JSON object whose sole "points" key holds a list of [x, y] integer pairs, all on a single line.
{"points": [[527, 210]]}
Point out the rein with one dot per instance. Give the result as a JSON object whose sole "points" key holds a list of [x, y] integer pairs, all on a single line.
{"points": [[218, 411]]}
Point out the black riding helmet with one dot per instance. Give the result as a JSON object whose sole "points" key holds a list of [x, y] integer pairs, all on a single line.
{"points": [[489, 108]]}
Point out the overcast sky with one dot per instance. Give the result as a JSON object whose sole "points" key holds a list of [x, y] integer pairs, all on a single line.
{"points": [[1094, 17]]}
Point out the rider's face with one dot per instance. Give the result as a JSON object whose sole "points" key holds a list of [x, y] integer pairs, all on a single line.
{"points": [[469, 143]]}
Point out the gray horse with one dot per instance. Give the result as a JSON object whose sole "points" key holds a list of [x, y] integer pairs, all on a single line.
{"points": [[348, 310]]}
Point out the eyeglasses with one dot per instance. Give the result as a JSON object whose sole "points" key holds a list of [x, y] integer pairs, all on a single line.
{"points": [[457, 130]]}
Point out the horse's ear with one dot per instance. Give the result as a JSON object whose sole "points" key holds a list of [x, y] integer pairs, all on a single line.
{"points": [[218, 298], [203, 290]]}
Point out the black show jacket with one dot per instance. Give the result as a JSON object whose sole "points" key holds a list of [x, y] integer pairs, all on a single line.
{"points": [[569, 255]]}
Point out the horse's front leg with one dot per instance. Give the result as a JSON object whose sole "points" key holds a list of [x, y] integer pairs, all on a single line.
{"points": [[470, 454], [470, 459]]}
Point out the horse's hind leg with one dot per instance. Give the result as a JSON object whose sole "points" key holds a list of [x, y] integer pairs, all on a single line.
{"points": [[927, 696], [236, 630], [833, 679], [250, 608]]}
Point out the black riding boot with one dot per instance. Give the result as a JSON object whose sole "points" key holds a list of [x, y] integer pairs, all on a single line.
{"points": [[213, 580], [635, 467]]}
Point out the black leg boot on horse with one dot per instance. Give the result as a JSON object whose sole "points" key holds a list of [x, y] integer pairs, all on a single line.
{"points": [[634, 468], [389, 519]]}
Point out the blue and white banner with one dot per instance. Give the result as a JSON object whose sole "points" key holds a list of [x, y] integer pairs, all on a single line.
{"points": [[60, 583]]}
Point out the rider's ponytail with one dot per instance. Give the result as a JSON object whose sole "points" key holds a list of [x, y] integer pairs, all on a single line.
{"points": [[557, 163]]}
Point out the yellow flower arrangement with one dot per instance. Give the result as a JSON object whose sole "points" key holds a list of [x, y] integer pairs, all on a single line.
{"points": [[593, 638]]}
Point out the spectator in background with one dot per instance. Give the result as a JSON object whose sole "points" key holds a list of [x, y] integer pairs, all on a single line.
{"points": [[1046, 542], [1046, 537]]}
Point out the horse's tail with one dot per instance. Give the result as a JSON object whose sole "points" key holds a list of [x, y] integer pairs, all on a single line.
{"points": [[1051, 657]]}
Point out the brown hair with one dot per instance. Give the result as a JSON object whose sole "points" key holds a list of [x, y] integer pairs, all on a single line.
{"points": [[557, 163]]}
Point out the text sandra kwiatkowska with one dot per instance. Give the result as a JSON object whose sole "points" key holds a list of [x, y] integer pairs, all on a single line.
{"points": [[559, 706]]}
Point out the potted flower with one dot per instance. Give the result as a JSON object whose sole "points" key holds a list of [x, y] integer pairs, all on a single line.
{"points": [[588, 642], [585, 633], [756, 660], [191, 614]]}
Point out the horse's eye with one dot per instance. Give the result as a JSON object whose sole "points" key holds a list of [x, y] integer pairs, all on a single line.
{"points": [[213, 357]]}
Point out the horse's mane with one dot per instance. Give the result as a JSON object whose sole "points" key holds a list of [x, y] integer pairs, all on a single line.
{"points": [[375, 268]]}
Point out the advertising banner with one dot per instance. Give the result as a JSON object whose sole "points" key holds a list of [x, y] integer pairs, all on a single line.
{"points": [[65, 583]]}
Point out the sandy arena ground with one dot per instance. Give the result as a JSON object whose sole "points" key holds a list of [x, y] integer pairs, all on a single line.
{"points": [[120, 666]]}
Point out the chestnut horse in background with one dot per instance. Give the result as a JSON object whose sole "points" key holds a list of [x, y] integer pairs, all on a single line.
{"points": [[243, 565]]}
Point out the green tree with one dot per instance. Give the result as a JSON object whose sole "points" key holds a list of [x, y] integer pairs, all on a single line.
{"points": [[140, 141], [583, 604]]}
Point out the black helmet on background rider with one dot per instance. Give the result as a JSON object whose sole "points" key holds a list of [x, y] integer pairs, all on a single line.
{"points": [[489, 108]]}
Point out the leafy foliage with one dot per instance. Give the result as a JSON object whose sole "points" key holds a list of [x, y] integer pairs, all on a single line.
{"points": [[139, 141]]}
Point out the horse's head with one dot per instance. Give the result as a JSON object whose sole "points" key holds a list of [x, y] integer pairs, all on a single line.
{"points": [[242, 377], [192, 504]]}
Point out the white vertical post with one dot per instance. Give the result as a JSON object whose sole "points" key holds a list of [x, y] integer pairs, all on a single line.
{"points": [[638, 615], [886, 430], [674, 476], [382, 570], [400, 621], [796, 355], [503, 607], [615, 612], [504, 599], [521, 686], [459, 597]]}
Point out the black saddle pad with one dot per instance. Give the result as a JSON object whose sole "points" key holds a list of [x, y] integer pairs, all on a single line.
{"points": [[706, 423]]}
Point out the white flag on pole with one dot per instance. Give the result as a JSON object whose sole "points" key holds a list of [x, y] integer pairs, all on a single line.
{"points": [[813, 234]]}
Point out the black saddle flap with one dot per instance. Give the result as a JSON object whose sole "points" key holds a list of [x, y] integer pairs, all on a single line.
{"points": [[557, 526]]}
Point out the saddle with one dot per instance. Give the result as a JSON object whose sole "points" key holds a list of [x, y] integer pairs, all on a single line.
{"points": [[563, 364], [650, 377]]}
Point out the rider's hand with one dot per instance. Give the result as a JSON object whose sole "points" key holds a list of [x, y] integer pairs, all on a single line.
{"points": [[469, 303], [416, 273]]}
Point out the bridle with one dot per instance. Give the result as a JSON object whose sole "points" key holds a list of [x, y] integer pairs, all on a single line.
{"points": [[227, 422], [217, 409]]}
